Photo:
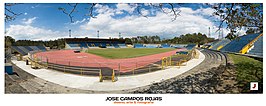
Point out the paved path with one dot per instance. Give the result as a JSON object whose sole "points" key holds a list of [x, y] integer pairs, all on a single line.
{"points": [[207, 77], [123, 83]]}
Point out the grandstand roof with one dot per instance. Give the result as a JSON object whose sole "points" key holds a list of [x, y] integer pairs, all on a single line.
{"points": [[93, 40]]}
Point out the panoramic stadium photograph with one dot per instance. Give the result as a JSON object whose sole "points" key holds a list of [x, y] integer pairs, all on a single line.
{"points": [[133, 48]]}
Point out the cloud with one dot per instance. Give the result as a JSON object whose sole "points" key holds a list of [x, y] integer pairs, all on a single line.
{"points": [[161, 24], [28, 21], [21, 32], [145, 12], [206, 11], [190, 21], [79, 21], [25, 13], [126, 7]]}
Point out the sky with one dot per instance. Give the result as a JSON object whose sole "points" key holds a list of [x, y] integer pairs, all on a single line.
{"points": [[45, 22]]}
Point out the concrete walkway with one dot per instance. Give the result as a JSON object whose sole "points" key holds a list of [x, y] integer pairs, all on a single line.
{"points": [[123, 83]]}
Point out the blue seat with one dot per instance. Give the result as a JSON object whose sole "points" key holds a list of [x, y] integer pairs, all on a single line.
{"points": [[237, 44], [42, 48], [190, 46], [138, 46], [152, 46], [122, 45], [115, 45], [83, 45], [257, 48], [222, 42], [16, 48], [165, 45]]}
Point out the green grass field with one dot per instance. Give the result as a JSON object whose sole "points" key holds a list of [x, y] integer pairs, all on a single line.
{"points": [[118, 53], [248, 70]]}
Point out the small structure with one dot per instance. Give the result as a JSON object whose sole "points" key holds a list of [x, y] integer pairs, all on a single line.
{"points": [[8, 68]]}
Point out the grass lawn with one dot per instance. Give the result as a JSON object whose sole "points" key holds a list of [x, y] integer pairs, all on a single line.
{"points": [[248, 70], [118, 53]]}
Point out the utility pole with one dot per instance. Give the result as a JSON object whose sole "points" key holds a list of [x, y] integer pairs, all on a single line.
{"points": [[98, 34], [69, 33]]}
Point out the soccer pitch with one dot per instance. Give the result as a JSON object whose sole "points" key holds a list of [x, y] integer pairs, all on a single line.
{"points": [[119, 53]]}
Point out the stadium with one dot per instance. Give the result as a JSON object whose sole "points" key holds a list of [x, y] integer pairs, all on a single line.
{"points": [[86, 58], [155, 55]]}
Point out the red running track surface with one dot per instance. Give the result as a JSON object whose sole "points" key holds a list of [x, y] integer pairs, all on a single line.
{"points": [[68, 57]]}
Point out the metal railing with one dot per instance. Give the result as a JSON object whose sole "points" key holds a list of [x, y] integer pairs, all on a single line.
{"points": [[111, 69]]}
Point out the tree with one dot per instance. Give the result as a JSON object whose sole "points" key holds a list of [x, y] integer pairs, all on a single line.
{"points": [[9, 13], [9, 41], [128, 41], [238, 16]]}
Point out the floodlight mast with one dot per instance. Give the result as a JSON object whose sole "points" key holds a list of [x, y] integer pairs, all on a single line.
{"points": [[98, 34], [69, 33], [209, 32], [119, 35]]}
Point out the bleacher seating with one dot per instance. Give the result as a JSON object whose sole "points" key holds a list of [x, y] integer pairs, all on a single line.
{"points": [[138, 46], [27, 47], [122, 45], [165, 46], [190, 46], [179, 45], [83, 45], [24, 50], [34, 47], [116, 45], [74, 46], [218, 45], [257, 48], [237, 44], [19, 50], [95, 44], [42, 48], [110, 47], [152, 45]]}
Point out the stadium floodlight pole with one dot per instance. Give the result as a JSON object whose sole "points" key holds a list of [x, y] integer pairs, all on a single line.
{"points": [[69, 33], [98, 34], [222, 35], [119, 35], [209, 32]]}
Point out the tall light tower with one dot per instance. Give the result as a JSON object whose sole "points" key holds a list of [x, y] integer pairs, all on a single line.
{"points": [[222, 34], [119, 35], [209, 32], [69, 31], [98, 34]]}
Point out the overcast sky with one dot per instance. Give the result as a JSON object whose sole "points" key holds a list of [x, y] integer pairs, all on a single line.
{"points": [[46, 22]]}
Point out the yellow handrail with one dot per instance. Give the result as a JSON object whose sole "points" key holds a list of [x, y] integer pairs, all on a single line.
{"points": [[249, 45]]}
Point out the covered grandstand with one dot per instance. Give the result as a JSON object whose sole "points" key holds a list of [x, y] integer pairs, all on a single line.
{"points": [[251, 44], [81, 43], [165, 45], [241, 44]]}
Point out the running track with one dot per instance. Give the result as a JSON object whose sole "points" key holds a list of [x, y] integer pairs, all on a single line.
{"points": [[68, 57]]}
